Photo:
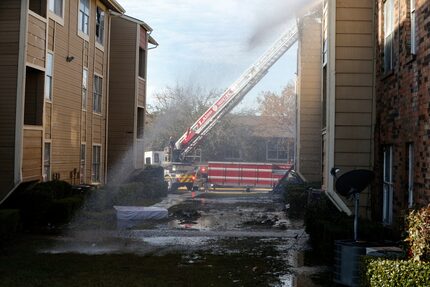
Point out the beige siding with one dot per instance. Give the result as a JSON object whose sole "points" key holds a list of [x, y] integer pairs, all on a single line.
{"points": [[48, 120], [72, 126], [99, 62], [9, 48], [32, 154], [125, 90], [354, 84], [141, 92], [36, 41], [309, 97]]}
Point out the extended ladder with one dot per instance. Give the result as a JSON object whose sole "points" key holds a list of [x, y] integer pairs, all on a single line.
{"points": [[235, 93]]}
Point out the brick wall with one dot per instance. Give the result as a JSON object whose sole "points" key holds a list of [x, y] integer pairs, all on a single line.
{"points": [[403, 106]]}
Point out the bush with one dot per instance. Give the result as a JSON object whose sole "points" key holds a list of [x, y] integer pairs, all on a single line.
{"points": [[391, 273], [62, 210], [325, 223], [9, 222], [419, 234], [297, 198], [47, 202]]}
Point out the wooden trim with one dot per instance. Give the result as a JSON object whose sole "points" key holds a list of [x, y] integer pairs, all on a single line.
{"points": [[37, 67], [35, 15], [20, 92], [33, 128]]}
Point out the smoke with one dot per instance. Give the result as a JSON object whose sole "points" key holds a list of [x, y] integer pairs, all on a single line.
{"points": [[275, 15]]}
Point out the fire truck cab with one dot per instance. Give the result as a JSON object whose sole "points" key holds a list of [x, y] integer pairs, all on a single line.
{"points": [[179, 174]]}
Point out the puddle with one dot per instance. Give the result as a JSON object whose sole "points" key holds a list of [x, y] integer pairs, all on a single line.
{"points": [[208, 228]]}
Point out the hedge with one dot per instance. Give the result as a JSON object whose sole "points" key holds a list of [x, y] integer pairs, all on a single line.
{"points": [[394, 273], [9, 222], [325, 224]]}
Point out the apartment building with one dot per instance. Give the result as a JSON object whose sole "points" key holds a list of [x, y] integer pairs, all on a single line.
{"points": [[402, 151], [54, 59], [308, 122], [348, 95], [130, 43]]}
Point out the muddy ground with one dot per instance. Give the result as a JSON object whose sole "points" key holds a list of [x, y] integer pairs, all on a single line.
{"points": [[209, 239]]}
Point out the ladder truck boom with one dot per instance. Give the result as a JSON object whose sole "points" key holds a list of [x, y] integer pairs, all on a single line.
{"points": [[235, 93]]}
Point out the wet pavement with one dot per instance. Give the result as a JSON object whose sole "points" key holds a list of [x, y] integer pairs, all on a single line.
{"points": [[250, 228]]}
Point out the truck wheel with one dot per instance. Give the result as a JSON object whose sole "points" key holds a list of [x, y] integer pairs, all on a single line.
{"points": [[189, 186]]}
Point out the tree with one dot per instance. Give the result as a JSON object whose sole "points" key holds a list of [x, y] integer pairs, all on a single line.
{"points": [[176, 109], [279, 110]]}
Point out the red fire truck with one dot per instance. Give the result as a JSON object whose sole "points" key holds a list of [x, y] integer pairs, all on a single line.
{"points": [[235, 174], [245, 174]]}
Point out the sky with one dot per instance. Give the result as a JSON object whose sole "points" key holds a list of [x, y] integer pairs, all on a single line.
{"points": [[209, 44]]}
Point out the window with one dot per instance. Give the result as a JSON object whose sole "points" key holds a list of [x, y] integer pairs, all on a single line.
{"points": [[97, 97], [48, 76], [95, 176], [34, 93], [277, 149], [232, 153], [140, 116], [410, 147], [38, 7], [100, 25], [388, 35], [413, 27], [56, 6], [84, 16], [142, 62], [47, 162], [82, 165], [387, 214], [84, 88]]}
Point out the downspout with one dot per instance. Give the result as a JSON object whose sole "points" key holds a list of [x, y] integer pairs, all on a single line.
{"points": [[20, 92]]}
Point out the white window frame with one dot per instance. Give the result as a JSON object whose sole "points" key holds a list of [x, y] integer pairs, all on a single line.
{"points": [[84, 13], [48, 76], [97, 94], [82, 162], [100, 38], [47, 159], [388, 35], [387, 212], [84, 88], [53, 11], [410, 175], [282, 146], [96, 167], [413, 18]]}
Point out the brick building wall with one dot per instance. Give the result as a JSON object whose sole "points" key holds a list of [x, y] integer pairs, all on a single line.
{"points": [[402, 110]]}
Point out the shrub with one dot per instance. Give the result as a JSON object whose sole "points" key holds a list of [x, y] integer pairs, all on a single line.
{"points": [[391, 273], [9, 222], [48, 202], [419, 234], [297, 198], [62, 210], [325, 224]]}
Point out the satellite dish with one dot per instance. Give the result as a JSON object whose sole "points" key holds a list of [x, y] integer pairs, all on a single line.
{"points": [[354, 181]]}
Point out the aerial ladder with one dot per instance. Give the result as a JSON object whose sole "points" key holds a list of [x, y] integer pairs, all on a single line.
{"points": [[232, 96]]}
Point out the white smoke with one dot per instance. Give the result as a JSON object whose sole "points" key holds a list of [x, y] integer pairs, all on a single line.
{"points": [[275, 14]]}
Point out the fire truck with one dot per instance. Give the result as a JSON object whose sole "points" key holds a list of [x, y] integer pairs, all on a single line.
{"points": [[180, 171], [245, 174]]}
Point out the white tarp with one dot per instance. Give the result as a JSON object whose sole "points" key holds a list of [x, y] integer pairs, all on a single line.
{"points": [[140, 212]]}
